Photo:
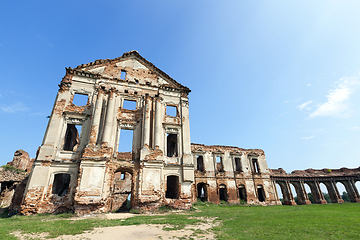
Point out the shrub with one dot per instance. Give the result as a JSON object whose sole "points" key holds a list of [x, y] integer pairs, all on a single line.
{"points": [[12, 169]]}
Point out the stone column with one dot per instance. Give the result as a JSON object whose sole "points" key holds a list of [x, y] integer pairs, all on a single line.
{"points": [[333, 192], [109, 120], [301, 193], [316, 192], [96, 119], [146, 128], [158, 123], [185, 132], [287, 194], [351, 190]]}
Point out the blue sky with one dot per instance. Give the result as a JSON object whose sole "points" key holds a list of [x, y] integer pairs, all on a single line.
{"points": [[282, 76]]}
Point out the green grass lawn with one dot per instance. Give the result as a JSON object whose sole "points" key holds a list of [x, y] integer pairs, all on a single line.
{"points": [[330, 221]]}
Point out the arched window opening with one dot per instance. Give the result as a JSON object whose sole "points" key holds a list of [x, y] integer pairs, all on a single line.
{"points": [[261, 193], [202, 191], [61, 184], [223, 193], [242, 193], [172, 187]]}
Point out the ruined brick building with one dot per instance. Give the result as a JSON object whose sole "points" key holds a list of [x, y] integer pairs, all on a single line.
{"points": [[80, 167]]}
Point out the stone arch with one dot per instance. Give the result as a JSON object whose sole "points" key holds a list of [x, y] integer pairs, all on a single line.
{"points": [[202, 193], [357, 184], [332, 191], [316, 193], [342, 191], [223, 193], [351, 190], [301, 194], [279, 192], [288, 198], [122, 187], [325, 191], [293, 192]]}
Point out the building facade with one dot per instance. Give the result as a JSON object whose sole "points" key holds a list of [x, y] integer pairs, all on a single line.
{"points": [[81, 166]]}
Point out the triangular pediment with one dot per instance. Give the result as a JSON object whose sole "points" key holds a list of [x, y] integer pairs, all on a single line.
{"points": [[137, 69]]}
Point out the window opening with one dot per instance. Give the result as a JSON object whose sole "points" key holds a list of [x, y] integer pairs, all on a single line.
{"points": [[261, 193], [136, 81], [80, 99], [126, 91], [72, 137], [219, 164], [123, 74], [129, 104], [200, 163], [121, 191], [172, 187], [171, 111], [242, 193], [223, 193], [202, 191], [61, 184], [256, 165], [172, 145], [238, 165], [126, 141]]}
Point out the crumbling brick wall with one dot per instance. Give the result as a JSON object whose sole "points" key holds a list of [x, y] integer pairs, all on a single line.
{"points": [[22, 160], [231, 174], [10, 189]]}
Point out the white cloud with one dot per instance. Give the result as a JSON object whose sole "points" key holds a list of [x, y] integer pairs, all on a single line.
{"points": [[309, 85], [284, 102], [304, 105], [307, 138], [13, 108], [355, 128], [337, 100]]}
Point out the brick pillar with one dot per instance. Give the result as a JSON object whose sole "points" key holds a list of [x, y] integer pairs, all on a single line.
{"points": [[287, 194], [333, 192], [303, 198], [316, 192], [351, 190]]}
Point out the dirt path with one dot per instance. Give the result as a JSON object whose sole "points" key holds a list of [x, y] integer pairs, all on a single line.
{"points": [[135, 232]]}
